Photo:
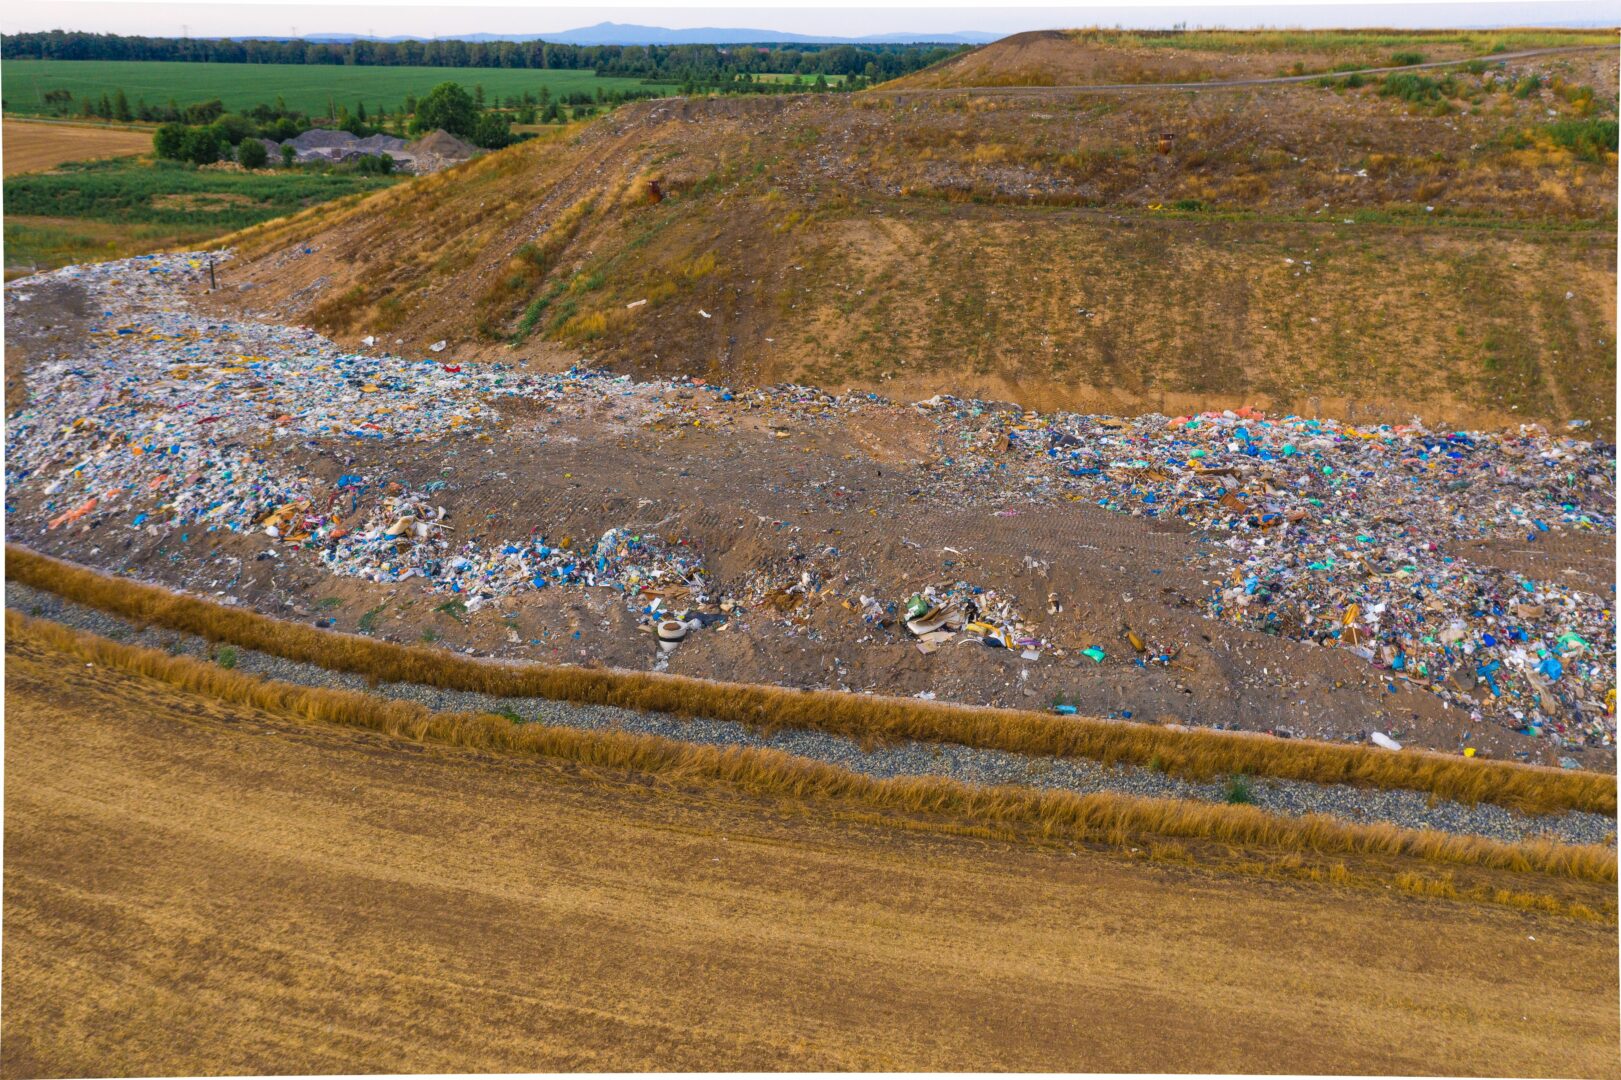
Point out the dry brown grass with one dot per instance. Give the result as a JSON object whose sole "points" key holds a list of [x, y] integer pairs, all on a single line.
{"points": [[1111, 818], [38, 145], [1194, 755]]}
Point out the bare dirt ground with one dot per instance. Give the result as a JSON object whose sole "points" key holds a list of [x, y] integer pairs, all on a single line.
{"points": [[34, 147], [193, 889]]}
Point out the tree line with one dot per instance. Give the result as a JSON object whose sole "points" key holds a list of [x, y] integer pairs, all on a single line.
{"points": [[661, 63]]}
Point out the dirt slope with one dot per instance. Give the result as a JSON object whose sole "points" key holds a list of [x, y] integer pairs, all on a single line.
{"points": [[1299, 248], [193, 889]]}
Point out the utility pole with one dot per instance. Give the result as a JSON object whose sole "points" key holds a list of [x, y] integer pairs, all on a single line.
{"points": [[211, 285]]}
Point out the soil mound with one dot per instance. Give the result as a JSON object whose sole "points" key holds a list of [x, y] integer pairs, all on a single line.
{"points": [[441, 143], [1037, 58]]}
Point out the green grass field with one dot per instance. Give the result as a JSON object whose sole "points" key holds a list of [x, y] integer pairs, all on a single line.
{"points": [[109, 209], [305, 88]]}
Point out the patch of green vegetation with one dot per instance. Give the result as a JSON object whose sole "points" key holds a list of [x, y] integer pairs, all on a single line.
{"points": [[368, 621], [327, 603], [1406, 59], [456, 609], [1418, 89], [226, 657], [430, 635], [1238, 791], [42, 243], [1588, 139], [537, 308], [172, 193]]}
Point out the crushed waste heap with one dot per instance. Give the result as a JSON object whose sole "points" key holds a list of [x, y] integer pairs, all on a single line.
{"points": [[1343, 535]]}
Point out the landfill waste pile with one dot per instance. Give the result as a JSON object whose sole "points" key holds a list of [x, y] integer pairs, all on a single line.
{"points": [[1339, 535], [939, 614], [170, 421], [163, 427]]}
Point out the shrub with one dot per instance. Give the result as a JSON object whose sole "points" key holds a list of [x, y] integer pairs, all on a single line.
{"points": [[1406, 59], [169, 141], [1411, 86], [492, 131], [252, 154], [1527, 86], [226, 657], [201, 146], [232, 128], [373, 165]]}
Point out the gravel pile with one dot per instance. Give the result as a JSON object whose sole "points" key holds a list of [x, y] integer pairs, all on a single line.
{"points": [[1409, 809]]}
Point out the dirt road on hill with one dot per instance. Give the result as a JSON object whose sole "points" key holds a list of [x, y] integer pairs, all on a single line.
{"points": [[1235, 84], [192, 888]]}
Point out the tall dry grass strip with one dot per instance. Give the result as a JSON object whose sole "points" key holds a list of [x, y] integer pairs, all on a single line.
{"points": [[1055, 814], [1193, 755]]}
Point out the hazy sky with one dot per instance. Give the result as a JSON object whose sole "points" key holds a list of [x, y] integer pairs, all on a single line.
{"points": [[837, 17]]}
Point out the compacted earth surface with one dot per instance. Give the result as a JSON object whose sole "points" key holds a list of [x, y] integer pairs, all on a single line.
{"points": [[193, 887], [1299, 576]]}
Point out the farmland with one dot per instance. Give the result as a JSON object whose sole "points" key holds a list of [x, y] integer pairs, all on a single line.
{"points": [[33, 147], [106, 209], [306, 88]]}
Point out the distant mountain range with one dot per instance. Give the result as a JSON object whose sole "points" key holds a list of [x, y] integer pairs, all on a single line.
{"points": [[610, 33]]}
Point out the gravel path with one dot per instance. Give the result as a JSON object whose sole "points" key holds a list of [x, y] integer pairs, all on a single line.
{"points": [[1410, 809]]}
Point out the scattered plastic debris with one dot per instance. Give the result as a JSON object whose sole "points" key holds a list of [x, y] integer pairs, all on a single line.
{"points": [[1352, 537]]}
